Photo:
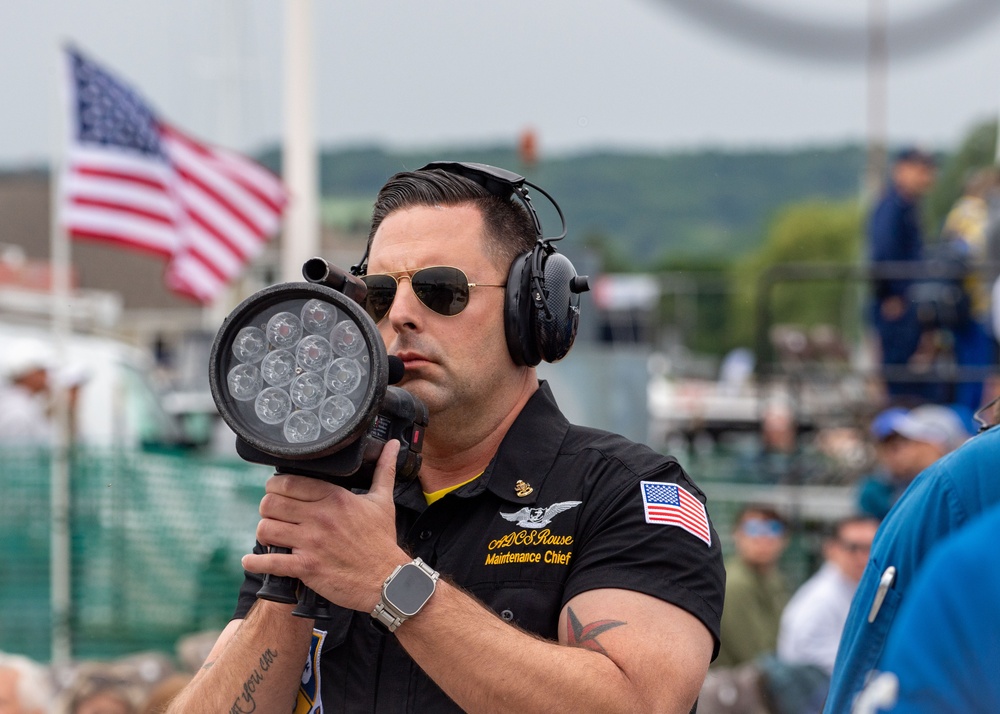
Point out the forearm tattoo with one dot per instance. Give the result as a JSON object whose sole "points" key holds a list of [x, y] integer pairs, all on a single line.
{"points": [[585, 636], [244, 703]]}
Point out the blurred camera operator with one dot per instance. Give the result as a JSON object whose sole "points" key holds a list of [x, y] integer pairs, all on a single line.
{"points": [[29, 380], [552, 587], [30, 377], [24, 397]]}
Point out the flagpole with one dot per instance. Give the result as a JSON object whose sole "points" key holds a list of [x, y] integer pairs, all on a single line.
{"points": [[228, 121], [60, 559], [300, 172]]}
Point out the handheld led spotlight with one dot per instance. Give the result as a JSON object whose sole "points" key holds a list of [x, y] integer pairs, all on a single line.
{"points": [[299, 372]]}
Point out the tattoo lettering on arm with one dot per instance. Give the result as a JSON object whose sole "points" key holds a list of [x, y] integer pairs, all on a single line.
{"points": [[585, 636], [244, 703]]}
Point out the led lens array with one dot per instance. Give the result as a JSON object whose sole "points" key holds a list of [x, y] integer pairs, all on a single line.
{"points": [[301, 371]]}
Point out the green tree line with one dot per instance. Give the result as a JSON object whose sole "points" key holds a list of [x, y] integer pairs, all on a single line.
{"points": [[725, 218]]}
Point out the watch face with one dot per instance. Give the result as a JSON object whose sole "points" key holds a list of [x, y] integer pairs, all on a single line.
{"points": [[409, 590]]}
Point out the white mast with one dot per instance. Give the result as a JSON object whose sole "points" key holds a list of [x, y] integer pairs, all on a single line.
{"points": [[60, 571], [300, 167]]}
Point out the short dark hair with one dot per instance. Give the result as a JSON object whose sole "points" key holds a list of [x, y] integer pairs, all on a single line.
{"points": [[767, 511], [509, 229], [834, 530], [915, 155]]}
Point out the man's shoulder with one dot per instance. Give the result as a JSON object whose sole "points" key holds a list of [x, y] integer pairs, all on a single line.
{"points": [[591, 457], [619, 459], [542, 417], [737, 574], [607, 445], [962, 559], [890, 206]]}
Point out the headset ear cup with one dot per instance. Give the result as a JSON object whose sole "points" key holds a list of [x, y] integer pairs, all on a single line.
{"points": [[544, 331], [518, 313], [556, 322]]}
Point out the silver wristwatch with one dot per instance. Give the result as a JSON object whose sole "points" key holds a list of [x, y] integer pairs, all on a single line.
{"points": [[404, 592]]}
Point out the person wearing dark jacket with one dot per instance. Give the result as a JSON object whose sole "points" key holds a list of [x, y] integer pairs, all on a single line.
{"points": [[894, 236]]}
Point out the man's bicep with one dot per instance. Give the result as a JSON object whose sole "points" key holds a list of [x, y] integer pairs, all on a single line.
{"points": [[663, 650]]}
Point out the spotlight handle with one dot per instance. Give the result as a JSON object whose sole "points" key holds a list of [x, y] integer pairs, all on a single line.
{"points": [[280, 588], [277, 588], [312, 606]]}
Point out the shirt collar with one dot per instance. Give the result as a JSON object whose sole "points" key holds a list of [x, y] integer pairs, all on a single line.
{"points": [[528, 450], [526, 454]]}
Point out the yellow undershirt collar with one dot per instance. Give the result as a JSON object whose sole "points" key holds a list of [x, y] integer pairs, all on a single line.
{"points": [[438, 495]]}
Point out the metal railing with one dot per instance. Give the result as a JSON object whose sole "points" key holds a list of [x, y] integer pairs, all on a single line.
{"points": [[859, 276]]}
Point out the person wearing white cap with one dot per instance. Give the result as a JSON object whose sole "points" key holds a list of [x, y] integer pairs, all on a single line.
{"points": [[29, 374], [24, 395], [25, 686], [907, 442]]}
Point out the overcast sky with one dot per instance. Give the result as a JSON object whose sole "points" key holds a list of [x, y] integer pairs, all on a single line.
{"points": [[584, 74]]}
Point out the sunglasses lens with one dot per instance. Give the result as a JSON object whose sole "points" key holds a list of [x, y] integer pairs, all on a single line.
{"points": [[381, 292], [444, 290], [760, 528]]}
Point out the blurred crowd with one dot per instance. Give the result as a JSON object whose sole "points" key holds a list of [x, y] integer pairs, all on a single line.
{"points": [[780, 647], [142, 683], [779, 644], [845, 639]]}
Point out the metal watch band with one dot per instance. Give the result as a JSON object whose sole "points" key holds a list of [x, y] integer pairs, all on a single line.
{"points": [[385, 613]]}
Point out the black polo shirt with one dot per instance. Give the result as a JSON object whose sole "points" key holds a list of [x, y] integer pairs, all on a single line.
{"points": [[560, 510]]}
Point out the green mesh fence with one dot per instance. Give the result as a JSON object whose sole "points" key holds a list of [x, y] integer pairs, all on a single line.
{"points": [[156, 541]]}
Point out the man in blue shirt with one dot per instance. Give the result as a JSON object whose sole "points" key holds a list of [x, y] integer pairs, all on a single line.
{"points": [[942, 657], [944, 498], [894, 236]]}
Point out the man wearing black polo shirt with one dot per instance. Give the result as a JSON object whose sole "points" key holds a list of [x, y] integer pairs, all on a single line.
{"points": [[533, 566]]}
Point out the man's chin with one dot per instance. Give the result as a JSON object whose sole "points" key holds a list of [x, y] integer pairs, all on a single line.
{"points": [[419, 388]]}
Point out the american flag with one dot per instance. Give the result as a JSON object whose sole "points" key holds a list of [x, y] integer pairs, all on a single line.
{"points": [[670, 504], [135, 181]]}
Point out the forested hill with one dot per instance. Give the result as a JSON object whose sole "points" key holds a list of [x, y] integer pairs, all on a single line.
{"points": [[646, 207]]}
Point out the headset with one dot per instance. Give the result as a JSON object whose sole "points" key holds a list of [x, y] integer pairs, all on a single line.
{"points": [[542, 302]]}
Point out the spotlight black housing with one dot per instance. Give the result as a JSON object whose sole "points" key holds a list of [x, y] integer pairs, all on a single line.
{"points": [[300, 374]]}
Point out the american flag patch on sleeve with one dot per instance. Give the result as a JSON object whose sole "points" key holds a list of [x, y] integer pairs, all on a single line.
{"points": [[669, 504]]}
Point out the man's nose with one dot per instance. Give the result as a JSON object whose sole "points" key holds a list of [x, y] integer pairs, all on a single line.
{"points": [[406, 303]]}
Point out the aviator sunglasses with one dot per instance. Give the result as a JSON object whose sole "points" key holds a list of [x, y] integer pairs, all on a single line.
{"points": [[443, 289]]}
